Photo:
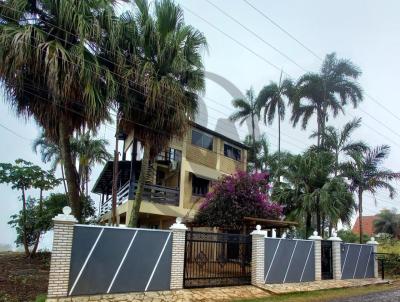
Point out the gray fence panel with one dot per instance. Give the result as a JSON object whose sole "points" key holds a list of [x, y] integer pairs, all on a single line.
{"points": [[140, 263], [289, 260], [302, 269], [84, 238], [115, 260], [357, 261]]}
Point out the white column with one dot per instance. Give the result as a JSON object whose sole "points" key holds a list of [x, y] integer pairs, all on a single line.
{"points": [[336, 256], [178, 254], [317, 254], [374, 250], [61, 254], [257, 256]]}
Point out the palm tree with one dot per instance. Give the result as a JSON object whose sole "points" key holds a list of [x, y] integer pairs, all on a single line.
{"points": [[50, 70], [388, 221], [329, 90], [338, 141], [247, 108], [308, 190], [271, 98], [366, 174], [86, 149], [163, 72]]}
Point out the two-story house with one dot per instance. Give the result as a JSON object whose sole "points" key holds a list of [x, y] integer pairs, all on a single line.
{"points": [[178, 178]]}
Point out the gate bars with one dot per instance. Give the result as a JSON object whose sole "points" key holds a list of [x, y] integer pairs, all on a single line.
{"points": [[217, 259]]}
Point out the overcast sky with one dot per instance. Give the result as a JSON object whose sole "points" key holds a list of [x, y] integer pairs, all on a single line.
{"points": [[366, 32]]}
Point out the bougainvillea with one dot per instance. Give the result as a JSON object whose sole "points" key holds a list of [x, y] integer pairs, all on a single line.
{"points": [[234, 197]]}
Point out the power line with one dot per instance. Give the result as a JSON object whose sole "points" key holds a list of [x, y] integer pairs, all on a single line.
{"points": [[256, 35], [15, 133]]}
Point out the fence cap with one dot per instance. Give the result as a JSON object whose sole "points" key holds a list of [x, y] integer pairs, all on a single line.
{"points": [[258, 231], [372, 241], [334, 237], [66, 216], [315, 236], [178, 225]]}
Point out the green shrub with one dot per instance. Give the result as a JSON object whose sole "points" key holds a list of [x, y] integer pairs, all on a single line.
{"points": [[41, 298]]}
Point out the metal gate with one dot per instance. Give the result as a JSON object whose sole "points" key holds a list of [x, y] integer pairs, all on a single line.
{"points": [[326, 260], [217, 259]]}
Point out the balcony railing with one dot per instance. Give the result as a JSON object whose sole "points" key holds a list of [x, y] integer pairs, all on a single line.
{"points": [[153, 193]]}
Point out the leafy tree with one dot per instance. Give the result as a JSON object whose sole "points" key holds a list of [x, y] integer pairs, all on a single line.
{"points": [[22, 176], [158, 92], [247, 108], [38, 216], [272, 99], [350, 237], [388, 221], [366, 174], [50, 70], [339, 140], [329, 90], [234, 197]]}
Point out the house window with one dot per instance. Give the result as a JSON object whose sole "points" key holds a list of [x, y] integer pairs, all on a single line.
{"points": [[199, 186], [202, 140], [232, 152]]}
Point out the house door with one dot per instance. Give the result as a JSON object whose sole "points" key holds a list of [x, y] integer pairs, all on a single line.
{"points": [[326, 260]]}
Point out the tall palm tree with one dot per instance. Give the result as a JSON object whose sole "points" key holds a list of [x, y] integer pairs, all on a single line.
{"points": [[366, 174], [50, 70], [247, 108], [338, 141], [388, 221], [163, 73], [272, 99], [329, 90]]}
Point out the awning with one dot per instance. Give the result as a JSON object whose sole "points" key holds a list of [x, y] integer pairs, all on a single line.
{"points": [[204, 172]]}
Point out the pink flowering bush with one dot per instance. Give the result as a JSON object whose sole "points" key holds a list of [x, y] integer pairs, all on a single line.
{"points": [[234, 197]]}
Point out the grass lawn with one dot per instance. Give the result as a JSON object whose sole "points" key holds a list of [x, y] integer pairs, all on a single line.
{"points": [[327, 295]]}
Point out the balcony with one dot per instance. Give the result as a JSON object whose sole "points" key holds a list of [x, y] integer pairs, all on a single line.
{"points": [[152, 193]]}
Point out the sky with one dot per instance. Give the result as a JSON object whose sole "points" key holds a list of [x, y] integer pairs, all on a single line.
{"points": [[364, 31]]}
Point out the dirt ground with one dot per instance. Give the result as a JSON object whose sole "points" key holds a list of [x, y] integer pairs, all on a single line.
{"points": [[22, 279]]}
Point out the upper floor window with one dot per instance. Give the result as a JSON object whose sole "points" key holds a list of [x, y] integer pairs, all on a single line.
{"points": [[232, 152], [202, 140]]}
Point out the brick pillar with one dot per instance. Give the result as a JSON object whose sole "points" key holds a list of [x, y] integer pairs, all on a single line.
{"points": [[374, 250], [61, 254], [178, 254], [317, 254], [336, 256], [257, 256]]}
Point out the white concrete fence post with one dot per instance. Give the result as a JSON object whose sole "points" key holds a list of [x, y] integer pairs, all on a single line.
{"points": [[374, 250], [336, 256], [61, 254], [317, 254], [257, 256], [178, 254]]}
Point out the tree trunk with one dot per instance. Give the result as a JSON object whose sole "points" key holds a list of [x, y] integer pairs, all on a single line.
{"points": [[308, 224], [71, 174], [360, 213], [115, 181], [63, 177], [318, 214], [254, 142], [319, 128], [87, 180], [35, 247], [134, 219], [24, 240]]}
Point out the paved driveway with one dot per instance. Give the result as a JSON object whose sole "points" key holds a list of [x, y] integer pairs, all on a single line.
{"points": [[389, 296]]}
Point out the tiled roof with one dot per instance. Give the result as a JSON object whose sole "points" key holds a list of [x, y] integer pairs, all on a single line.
{"points": [[368, 225]]}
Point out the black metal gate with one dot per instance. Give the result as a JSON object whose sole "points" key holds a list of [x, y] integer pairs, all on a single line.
{"points": [[217, 259], [326, 260]]}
